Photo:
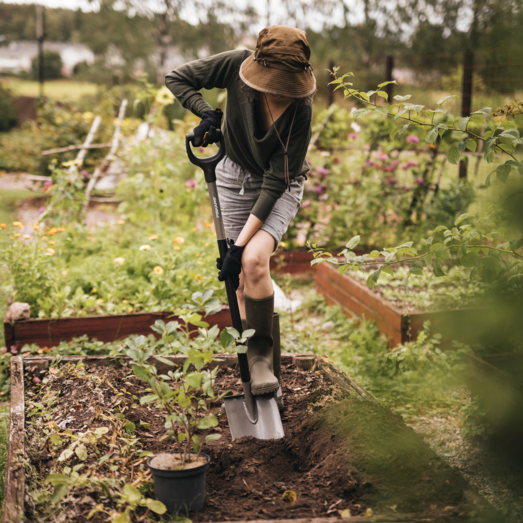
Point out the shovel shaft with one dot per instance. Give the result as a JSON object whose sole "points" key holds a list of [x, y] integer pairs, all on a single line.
{"points": [[209, 168]]}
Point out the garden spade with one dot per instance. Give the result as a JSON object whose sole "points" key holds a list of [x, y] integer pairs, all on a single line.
{"points": [[248, 415]]}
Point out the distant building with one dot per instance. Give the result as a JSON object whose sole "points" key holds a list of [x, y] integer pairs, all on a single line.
{"points": [[16, 57]]}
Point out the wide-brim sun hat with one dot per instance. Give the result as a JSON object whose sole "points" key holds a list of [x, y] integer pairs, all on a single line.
{"points": [[280, 64]]}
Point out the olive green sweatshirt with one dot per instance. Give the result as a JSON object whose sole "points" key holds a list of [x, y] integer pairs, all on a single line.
{"points": [[259, 153]]}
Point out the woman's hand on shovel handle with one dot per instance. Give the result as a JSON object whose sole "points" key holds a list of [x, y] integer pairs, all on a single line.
{"points": [[232, 265]]}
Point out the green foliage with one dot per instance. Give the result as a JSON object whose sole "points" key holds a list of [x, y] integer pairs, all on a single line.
{"points": [[7, 110], [52, 66], [473, 419]]}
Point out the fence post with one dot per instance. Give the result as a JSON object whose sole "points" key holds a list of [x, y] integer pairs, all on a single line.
{"points": [[389, 66], [466, 99], [330, 88], [40, 39]]}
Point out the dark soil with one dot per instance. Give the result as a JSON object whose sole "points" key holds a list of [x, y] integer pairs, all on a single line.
{"points": [[335, 455]]}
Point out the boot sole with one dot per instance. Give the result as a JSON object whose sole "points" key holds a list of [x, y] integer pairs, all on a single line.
{"points": [[264, 390]]}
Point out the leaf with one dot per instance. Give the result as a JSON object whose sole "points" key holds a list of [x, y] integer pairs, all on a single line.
{"points": [[387, 269], [472, 145], [148, 398], [208, 422], [443, 100], [432, 135], [462, 123], [402, 98], [382, 110], [212, 437], [227, 340], [129, 426], [56, 479], [383, 94], [502, 172], [100, 431], [65, 455], [121, 518], [165, 360], [463, 217], [240, 349], [361, 112], [132, 494], [194, 380], [517, 165], [345, 513], [81, 452], [353, 242], [454, 156], [248, 333], [485, 110], [437, 269], [59, 493], [374, 255], [417, 267], [156, 506], [141, 373], [195, 443], [487, 181], [387, 83]]}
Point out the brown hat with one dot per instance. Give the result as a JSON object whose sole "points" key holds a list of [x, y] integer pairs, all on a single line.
{"points": [[280, 64]]}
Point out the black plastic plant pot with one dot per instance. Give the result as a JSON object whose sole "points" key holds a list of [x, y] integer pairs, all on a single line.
{"points": [[181, 491]]}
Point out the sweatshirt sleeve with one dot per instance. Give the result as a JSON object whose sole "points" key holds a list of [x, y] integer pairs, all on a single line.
{"points": [[214, 71], [274, 185]]}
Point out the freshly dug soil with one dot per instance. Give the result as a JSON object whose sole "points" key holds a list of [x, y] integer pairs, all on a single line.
{"points": [[338, 453]]}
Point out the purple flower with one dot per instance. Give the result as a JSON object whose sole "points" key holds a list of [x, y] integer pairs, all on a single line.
{"points": [[41, 209], [352, 136], [367, 165], [323, 172], [419, 181], [336, 160], [309, 162], [389, 168], [191, 184], [395, 163], [392, 181], [414, 164], [383, 157], [413, 139], [305, 204]]}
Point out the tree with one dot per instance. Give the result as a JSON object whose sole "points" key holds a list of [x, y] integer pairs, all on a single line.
{"points": [[52, 66]]}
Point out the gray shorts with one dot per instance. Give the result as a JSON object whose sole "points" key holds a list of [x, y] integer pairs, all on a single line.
{"points": [[238, 191]]}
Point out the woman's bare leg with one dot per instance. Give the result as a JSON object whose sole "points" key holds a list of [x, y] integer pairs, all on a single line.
{"points": [[255, 278]]}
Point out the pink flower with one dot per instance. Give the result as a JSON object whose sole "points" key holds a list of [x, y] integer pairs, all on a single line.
{"points": [[407, 187], [419, 181], [392, 181], [395, 162], [352, 136], [201, 149], [322, 171], [309, 162], [41, 209], [3, 351], [413, 139], [367, 165], [305, 204], [414, 164], [13, 349], [389, 168], [383, 157], [47, 185], [336, 160], [191, 184], [353, 180]]}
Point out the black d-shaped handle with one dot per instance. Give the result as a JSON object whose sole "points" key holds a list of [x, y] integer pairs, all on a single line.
{"points": [[207, 164]]}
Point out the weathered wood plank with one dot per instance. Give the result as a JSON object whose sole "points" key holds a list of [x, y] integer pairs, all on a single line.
{"points": [[49, 332], [15, 481]]}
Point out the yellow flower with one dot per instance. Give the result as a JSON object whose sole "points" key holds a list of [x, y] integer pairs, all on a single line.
{"points": [[125, 301], [208, 224], [60, 229], [179, 239], [49, 252], [196, 276], [145, 247], [283, 244], [100, 300], [176, 247], [120, 222], [26, 236], [119, 261], [17, 235], [153, 237], [197, 255], [41, 248], [36, 227], [45, 238], [201, 278], [52, 242], [94, 291], [199, 262], [88, 116], [52, 232], [164, 96], [206, 245], [3, 225], [158, 270], [17, 224]]}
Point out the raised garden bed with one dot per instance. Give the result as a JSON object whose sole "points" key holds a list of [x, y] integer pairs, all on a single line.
{"points": [[356, 299], [49, 332], [339, 453]]}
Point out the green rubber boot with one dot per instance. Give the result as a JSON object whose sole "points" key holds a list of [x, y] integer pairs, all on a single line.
{"points": [[276, 355], [260, 345]]}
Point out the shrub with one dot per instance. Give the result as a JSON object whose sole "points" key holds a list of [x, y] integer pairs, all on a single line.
{"points": [[9, 115], [52, 66]]}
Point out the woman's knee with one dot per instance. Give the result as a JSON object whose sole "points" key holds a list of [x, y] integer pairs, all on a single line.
{"points": [[255, 265]]}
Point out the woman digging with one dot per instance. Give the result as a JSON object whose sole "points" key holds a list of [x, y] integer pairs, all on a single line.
{"points": [[267, 130]]}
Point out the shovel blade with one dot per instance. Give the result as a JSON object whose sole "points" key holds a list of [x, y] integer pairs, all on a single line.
{"points": [[268, 424]]}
